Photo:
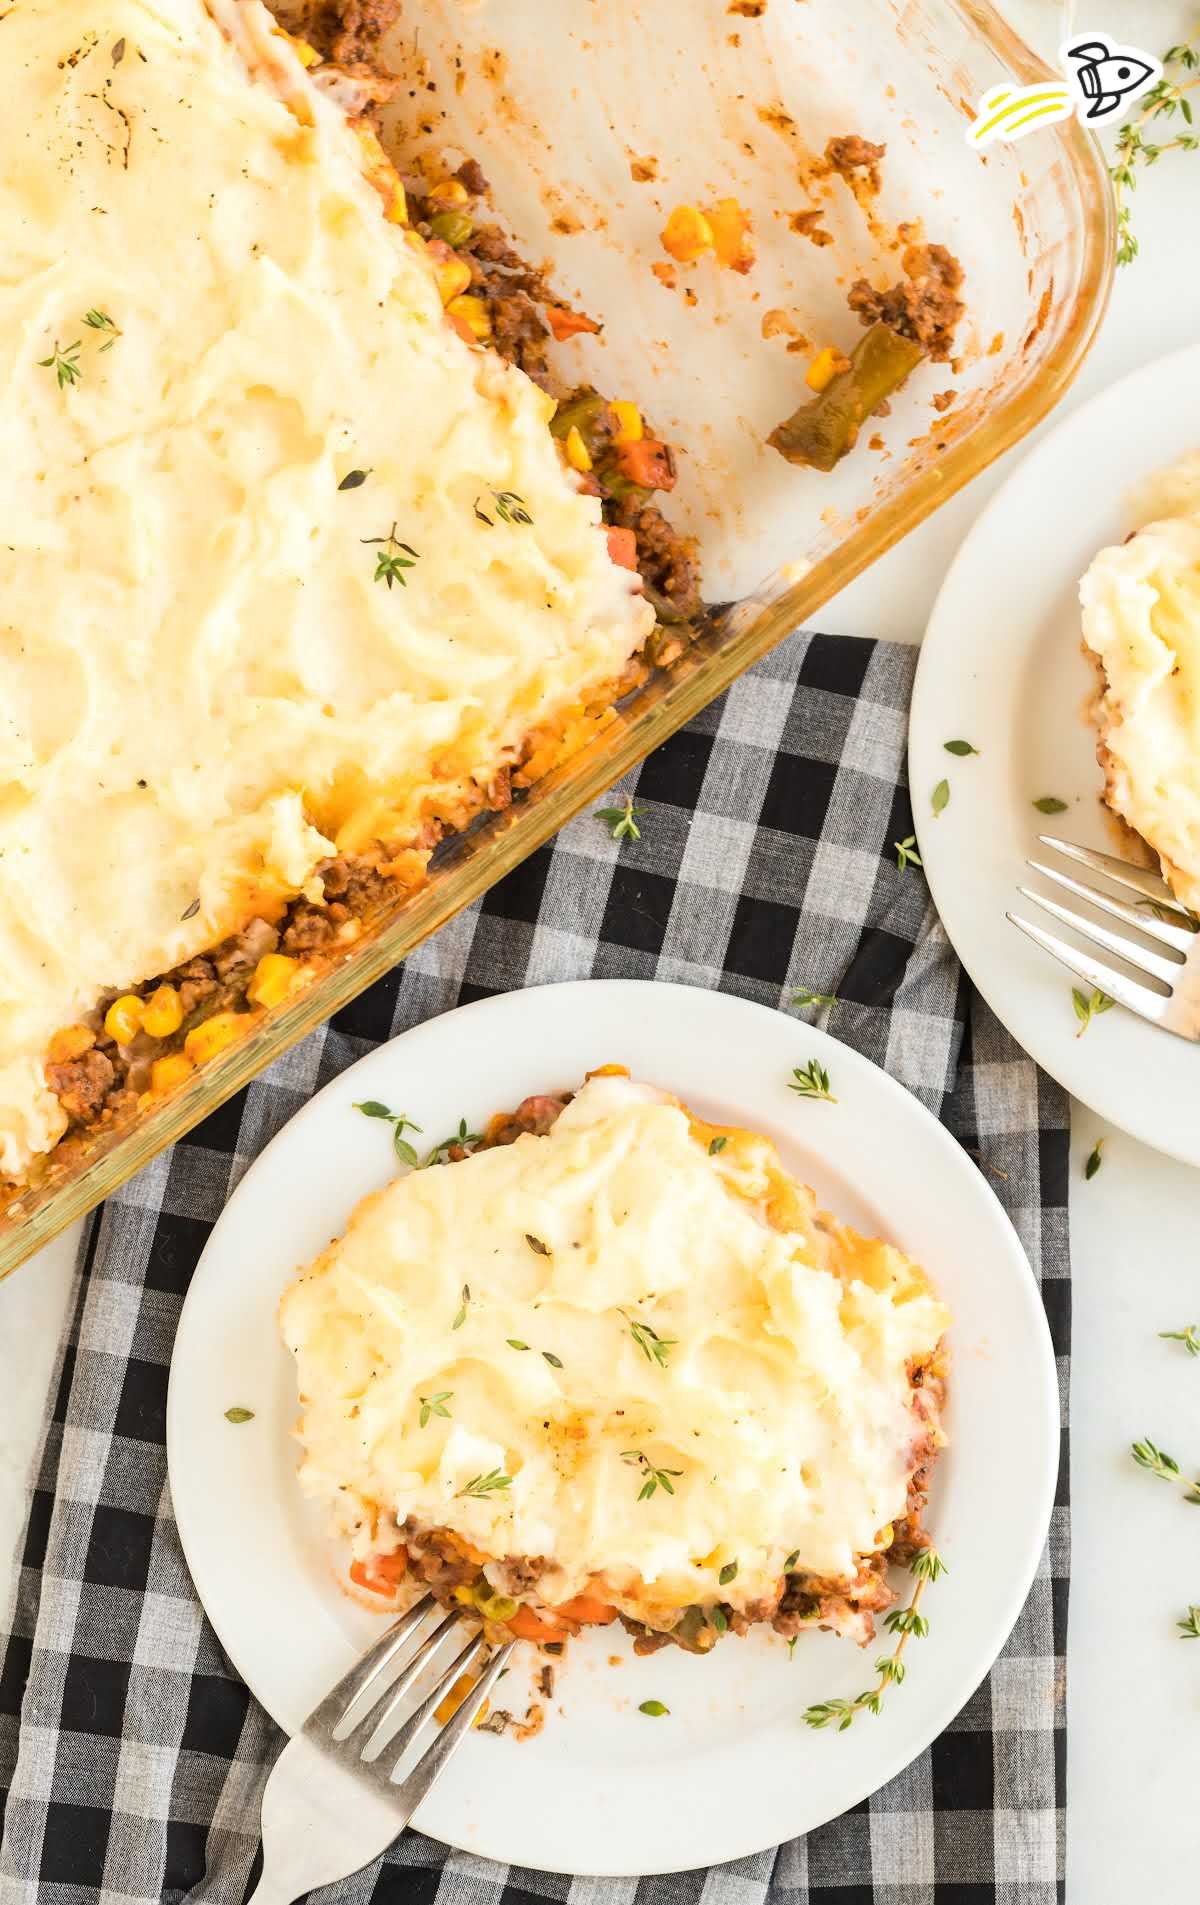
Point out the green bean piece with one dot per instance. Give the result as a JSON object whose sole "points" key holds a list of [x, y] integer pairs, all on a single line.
{"points": [[825, 430]]}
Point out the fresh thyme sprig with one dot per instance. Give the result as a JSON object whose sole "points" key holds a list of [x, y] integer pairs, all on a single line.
{"points": [[64, 362], [488, 1484], [655, 1348], [620, 821], [1157, 1462], [399, 1121], [393, 559], [1189, 1337], [435, 1405], [100, 321], [1190, 1628], [461, 1139], [804, 997], [654, 1477], [510, 508], [1087, 1005], [811, 1081], [906, 852], [1132, 149], [908, 1623]]}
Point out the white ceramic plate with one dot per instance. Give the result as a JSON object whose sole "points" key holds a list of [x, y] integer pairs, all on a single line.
{"points": [[1001, 667], [605, 1789]]}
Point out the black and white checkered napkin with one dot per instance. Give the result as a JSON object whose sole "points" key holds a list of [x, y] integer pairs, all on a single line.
{"points": [[132, 1755]]}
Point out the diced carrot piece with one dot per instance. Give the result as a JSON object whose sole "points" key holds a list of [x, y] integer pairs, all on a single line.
{"points": [[622, 548], [382, 1573], [730, 227], [588, 1609], [648, 463], [565, 323], [527, 1625]]}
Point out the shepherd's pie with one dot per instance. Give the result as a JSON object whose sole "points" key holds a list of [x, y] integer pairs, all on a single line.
{"points": [[617, 1363]]}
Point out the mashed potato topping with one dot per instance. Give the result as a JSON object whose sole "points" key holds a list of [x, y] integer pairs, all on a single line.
{"points": [[595, 1306], [204, 688], [1141, 619]]}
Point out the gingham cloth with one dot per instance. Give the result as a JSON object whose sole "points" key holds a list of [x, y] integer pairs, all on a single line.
{"points": [[132, 1755]]}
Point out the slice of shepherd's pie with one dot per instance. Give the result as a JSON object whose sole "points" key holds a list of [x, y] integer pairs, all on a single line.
{"points": [[296, 576], [617, 1362], [1141, 626]]}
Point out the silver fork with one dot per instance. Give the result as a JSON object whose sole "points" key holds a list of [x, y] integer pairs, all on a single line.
{"points": [[1171, 966], [335, 1799]]}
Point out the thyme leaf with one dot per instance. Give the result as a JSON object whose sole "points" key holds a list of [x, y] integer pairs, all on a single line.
{"points": [[64, 362], [434, 1405], [959, 747], [488, 1484], [811, 1081], [620, 821], [906, 852], [400, 1123], [239, 1415], [393, 559], [1050, 804], [941, 798], [1189, 1337], [655, 1348], [655, 1478], [1087, 1005]]}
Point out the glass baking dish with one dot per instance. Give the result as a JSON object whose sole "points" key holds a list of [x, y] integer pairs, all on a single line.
{"points": [[561, 106]]}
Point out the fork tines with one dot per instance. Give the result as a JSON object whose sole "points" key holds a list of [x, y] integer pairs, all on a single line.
{"points": [[361, 1716], [1154, 916]]}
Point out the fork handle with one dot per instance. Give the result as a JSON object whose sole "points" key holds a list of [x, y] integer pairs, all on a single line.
{"points": [[268, 1891]]}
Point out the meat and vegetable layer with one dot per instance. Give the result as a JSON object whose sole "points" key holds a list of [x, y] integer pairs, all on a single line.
{"points": [[616, 1363]]}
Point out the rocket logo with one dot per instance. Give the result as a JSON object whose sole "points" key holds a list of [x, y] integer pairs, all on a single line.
{"points": [[1101, 79]]}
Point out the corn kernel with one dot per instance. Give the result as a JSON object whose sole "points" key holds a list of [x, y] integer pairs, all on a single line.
{"points": [[474, 314], [629, 421], [886, 1536], [577, 451], [71, 1042], [453, 276], [820, 371], [454, 1699], [205, 1041], [123, 1020], [306, 54], [450, 192], [163, 1013], [396, 210], [465, 1596], [686, 234], [273, 979], [166, 1073]]}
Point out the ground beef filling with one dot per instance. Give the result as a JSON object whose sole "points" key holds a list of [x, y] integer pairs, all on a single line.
{"points": [[924, 306]]}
